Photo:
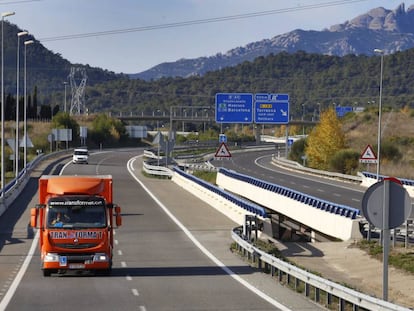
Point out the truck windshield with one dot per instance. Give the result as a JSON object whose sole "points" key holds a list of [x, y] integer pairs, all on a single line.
{"points": [[76, 212]]}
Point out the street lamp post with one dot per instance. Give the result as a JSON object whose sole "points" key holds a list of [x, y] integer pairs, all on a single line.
{"points": [[3, 15], [385, 232], [19, 34], [65, 83], [381, 52], [26, 43]]}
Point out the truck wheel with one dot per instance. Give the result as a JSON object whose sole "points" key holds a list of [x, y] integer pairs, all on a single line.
{"points": [[46, 272]]}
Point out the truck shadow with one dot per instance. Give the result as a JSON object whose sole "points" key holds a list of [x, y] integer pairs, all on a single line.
{"points": [[182, 271], [165, 272]]}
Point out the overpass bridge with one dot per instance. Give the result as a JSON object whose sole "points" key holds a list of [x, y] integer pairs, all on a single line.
{"points": [[188, 114]]}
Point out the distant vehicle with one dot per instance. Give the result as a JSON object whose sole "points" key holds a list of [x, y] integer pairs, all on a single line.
{"points": [[80, 155]]}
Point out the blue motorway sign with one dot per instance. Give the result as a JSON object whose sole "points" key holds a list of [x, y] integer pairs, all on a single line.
{"points": [[342, 111], [271, 109], [234, 108]]}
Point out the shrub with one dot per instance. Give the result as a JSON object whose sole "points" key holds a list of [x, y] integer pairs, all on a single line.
{"points": [[345, 161], [297, 150], [389, 152]]}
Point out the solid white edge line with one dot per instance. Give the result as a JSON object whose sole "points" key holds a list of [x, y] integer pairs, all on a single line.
{"points": [[13, 287], [201, 247]]}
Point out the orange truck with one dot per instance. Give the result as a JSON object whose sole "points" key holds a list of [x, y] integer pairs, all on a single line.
{"points": [[76, 219]]}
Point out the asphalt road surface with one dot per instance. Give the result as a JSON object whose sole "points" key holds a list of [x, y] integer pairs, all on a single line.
{"points": [[348, 194], [171, 253]]}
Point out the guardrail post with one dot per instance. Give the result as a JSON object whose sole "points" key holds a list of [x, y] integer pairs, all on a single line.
{"points": [[317, 294], [337, 296], [328, 299], [341, 304], [307, 289], [280, 275]]}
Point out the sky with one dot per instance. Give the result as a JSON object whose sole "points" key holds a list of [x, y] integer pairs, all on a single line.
{"points": [[131, 36]]}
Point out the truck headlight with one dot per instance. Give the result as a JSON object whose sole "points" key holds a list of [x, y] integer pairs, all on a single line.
{"points": [[100, 257], [51, 257]]}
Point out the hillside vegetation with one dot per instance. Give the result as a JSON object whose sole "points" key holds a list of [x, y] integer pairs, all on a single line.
{"points": [[360, 129], [397, 135], [313, 81]]}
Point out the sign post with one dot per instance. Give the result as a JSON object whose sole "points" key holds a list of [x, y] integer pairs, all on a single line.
{"points": [[376, 207]]}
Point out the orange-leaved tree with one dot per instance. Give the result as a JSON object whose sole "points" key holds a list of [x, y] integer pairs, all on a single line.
{"points": [[325, 140]]}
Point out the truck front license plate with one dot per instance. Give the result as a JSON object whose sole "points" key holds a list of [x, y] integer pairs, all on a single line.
{"points": [[76, 266]]}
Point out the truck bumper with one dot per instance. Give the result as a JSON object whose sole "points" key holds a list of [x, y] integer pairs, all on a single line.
{"points": [[98, 261]]}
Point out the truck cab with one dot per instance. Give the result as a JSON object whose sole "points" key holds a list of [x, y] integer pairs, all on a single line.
{"points": [[76, 219]]}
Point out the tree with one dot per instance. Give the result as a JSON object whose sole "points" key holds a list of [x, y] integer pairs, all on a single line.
{"points": [[45, 112], [55, 110], [297, 151], [63, 120], [34, 107], [326, 139], [107, 130], [345, 161]]}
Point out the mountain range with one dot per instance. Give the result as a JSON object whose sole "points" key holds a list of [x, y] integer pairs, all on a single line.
{"points": [[388, 30]]}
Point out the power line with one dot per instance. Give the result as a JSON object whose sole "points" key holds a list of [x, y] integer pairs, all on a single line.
{"points": [[18, 2], [201, 21]]}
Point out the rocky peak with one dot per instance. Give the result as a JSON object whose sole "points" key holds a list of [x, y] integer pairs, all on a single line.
{"points": [[381, 19], [390, 30]]}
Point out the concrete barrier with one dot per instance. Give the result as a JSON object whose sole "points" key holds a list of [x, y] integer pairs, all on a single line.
{"points": [[229, 209], [324, 221]]}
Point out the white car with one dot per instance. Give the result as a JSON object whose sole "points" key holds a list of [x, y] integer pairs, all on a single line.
{"points": [[80, 155]]}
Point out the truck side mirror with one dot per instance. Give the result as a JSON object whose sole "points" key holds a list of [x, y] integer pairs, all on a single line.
{"points": [[117, 209], [118, 218], [33, 217]]}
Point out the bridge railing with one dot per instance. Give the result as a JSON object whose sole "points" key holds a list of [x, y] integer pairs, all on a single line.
{"points": [[248, 206], [324, 205]]}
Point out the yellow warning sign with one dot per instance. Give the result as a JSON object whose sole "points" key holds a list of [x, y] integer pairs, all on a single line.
{"points": [[223, 151]]}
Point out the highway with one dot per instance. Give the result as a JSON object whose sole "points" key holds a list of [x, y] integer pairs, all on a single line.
{"points": [[167, 255]]}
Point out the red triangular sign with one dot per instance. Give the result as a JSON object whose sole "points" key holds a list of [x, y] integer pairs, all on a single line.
{"points": [[368, 154], [223, 151]]}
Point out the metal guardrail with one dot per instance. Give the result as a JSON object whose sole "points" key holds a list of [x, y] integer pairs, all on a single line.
{"points": [[157, 170], [15, 186], [345, 295], [404, 181], [294, 165], [240, 202]]}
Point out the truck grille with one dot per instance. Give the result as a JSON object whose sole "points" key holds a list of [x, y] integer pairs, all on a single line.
{"points": [[76, 246]]}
